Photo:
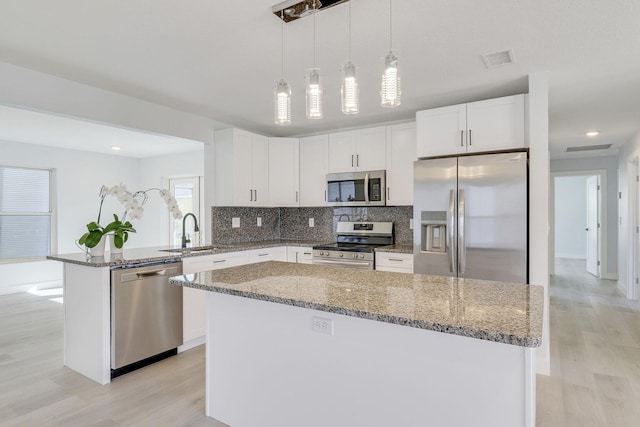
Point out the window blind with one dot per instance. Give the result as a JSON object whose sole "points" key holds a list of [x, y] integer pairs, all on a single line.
{"points": [[25, 213]]}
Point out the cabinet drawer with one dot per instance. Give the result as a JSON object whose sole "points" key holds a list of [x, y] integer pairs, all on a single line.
{"points": [[278, 253], [214, 262], [390, 261]]}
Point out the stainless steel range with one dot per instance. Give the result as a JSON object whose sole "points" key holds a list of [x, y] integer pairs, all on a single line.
{"points": [[355, 245]]}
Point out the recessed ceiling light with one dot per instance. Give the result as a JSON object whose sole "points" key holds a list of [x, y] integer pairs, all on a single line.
{"points": [[592, 133], [115, 148]]}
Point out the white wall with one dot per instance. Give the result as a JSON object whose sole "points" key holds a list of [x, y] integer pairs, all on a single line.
{"points": [[609, 164], [629, 154], [571, 217], [156, 172], [79, 176]]}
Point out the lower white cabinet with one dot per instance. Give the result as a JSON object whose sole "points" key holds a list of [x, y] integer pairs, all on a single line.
{"points": [[193, 300], [278, 253], [300, 254], [395, 262]]}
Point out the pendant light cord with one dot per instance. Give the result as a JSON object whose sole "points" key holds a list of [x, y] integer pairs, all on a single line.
{"points": [[282, 46], [314, 33], [390, 26], [349, 31]]}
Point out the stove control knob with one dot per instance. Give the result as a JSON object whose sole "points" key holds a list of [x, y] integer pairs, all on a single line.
{"points": [[341, 254], [321, 253], [355, 255], [361, 255]]}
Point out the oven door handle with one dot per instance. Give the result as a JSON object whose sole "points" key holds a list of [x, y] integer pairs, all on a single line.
{"points": [[366, 189], [347, 264]]}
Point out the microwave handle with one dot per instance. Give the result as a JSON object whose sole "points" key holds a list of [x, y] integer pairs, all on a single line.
{"points": [[366, 188]]}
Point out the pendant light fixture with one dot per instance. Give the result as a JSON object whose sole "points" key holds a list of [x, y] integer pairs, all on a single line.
{"points": [[390, 89], [350, 91], [314, 88], [282, 91]]}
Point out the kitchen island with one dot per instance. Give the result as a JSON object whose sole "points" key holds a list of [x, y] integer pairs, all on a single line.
{"points": [[293, 345]]}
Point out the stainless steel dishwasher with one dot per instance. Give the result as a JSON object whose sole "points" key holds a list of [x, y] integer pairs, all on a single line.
{"points": [[146, 316]]}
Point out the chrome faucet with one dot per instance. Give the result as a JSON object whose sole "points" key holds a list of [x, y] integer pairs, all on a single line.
{"points": [[195, 228]]}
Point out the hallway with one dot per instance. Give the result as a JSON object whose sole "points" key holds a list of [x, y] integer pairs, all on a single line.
{"points": [[595, 353]]}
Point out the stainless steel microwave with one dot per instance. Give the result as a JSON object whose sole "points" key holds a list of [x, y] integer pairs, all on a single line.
{"points": [[356, 188]]}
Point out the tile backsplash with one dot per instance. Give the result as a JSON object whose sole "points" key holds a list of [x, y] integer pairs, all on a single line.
{"points": [[293, 223]]}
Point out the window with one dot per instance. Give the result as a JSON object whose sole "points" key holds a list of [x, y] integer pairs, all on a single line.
{"points": [[25, 214], [187, 194]]}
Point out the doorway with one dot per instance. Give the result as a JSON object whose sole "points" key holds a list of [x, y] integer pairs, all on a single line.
{"points": [[579, 219], [188, 195]]}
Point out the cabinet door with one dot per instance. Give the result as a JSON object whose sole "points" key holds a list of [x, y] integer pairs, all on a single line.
{"points": [[495, 124], [441, 131], [371, 148], [401, 153], [284, 172], [342, 155], [260, 169], [314, 166], [242, 159]]}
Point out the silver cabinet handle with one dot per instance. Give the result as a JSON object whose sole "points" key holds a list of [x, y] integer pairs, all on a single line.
{"points": [[450, 233], [352, 160], [219, 261], [250, 195], [325, 195], [395, 259], [461, 138], [263, 254], [307, 253], [462, 250], [366, 189], [358, 160], [388, 194], [296, 197], [255, 195], [469, 136]]}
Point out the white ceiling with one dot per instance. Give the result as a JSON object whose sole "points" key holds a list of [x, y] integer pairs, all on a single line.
{"points": [[220, 58]]}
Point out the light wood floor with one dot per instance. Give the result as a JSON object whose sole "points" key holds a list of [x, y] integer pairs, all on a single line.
{"points": [[595, 370], [595, 353]]}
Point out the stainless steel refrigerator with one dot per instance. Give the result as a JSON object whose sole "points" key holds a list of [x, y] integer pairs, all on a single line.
{"points": [[470, 217]]}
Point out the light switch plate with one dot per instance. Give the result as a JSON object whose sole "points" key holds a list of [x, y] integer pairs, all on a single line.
{"points": [[235, 222], [312, 222], [259, 222]]}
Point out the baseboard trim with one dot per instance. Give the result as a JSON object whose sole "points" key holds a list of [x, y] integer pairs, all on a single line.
{"points": [[16, 289], [191, 344], [571, 256], [610, 276]]}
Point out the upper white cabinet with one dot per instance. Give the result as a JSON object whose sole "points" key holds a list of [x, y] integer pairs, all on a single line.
{"points": [[357, 150], [401, 153], [284, 172], [494, 124], [242, 168], [314, 166]]}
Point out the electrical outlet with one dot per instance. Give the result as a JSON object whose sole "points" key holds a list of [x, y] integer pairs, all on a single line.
{"points": [[259, 222], [312, 222], [321, 325], [411, 224], [235, 222]]}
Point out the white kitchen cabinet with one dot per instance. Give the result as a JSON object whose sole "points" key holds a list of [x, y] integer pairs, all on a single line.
{"points": [[300, 254], [242, 168], [193, 300], [314, 166], [284, 172], [401, 153], [494, 124], [277, 253], [394, 262], [357, 150]]}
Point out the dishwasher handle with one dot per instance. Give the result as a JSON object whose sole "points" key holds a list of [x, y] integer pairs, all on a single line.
{"points": [[139, 275]]}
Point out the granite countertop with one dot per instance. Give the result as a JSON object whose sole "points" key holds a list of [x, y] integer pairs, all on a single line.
{"points": [[500, 312], [399, 249], [137, 256]]}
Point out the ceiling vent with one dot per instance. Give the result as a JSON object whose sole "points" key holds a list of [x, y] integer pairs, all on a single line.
{"points": [[588, 148], [293, 9], [498, 59]]}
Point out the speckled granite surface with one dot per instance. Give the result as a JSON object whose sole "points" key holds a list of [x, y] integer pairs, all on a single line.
{"points": [[493, 311], [138, 256], [398, 249]]}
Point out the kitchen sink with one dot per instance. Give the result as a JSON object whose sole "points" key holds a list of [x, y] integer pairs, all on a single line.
{"points": [[196, 249]]}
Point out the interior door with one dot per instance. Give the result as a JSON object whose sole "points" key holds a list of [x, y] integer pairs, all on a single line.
{"points": [[592, 228], [187, 194]]}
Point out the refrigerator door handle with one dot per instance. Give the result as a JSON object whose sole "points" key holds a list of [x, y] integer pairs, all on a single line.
{"points": [[450, 230], [366, 189], [462, 249]]}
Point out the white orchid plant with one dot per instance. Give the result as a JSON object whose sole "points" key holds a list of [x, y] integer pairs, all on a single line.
{"points": [[133, 206]]}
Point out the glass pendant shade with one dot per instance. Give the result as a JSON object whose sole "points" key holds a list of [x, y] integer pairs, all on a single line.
{"points": [[314, 94], [282, 100], [390, 91], [350, 91]]}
